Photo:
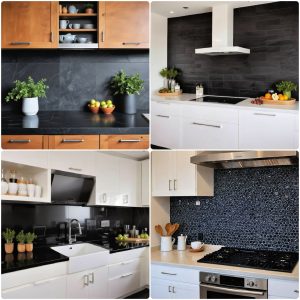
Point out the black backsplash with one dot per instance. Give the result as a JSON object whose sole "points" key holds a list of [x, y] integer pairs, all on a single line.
{"points": [[271, 33], [26, 216], [74, 77], [252, 208]]}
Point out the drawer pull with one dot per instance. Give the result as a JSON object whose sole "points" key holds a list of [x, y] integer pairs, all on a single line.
{"points": [[129, 141], [170, 291], [75, 169], [173, 289], [131, 43], [175, 184], [20, 43], [19, 141], [268, 115], [296, 291], [72, 141], [127, 262], [170, 185], [207, 125], [166, 273], [51, 36], [102, 36], [127, 275], [163, 116], [86, 280], [92, 279]]}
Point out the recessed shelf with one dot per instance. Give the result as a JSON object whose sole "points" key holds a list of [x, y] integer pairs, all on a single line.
{"points": [[23, 199], [80, 15], [78, 46], [78, 30]]}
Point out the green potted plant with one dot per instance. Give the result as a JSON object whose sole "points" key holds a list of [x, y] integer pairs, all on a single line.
{"points": [[9, 236], [286, 87], [164, 74], [126, 87], [29, 238], [169, 75], [29, 91], [89, 8], [21, 241]]}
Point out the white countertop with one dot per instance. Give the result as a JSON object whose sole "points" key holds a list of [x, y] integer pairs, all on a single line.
{"points": [[187, 259], [245, 104]]}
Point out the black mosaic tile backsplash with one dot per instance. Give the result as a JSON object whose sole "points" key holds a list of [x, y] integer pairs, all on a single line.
{"points": [[256, 208], [270, 31]]}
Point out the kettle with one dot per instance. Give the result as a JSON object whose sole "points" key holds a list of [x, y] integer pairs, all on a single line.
{"points": [[181, 242], [73, 9]]}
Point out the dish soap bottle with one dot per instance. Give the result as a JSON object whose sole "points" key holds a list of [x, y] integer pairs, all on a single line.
{"points": [[199, 91]]}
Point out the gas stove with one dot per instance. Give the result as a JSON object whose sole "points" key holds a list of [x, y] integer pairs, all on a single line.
{"points": [[255, 259], [220, 99]]}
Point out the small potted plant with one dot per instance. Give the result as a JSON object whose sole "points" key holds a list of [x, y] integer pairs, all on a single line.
{"points": [[21, 241], [89, 8], [164, 74], [9, 236], [29, 237], [126, 87], [169, 75], [29, 91], [286, 87]]}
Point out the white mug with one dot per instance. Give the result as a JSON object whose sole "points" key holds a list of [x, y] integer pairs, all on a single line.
{"points": [[4, 187], [166, 243], [63, 24], [38, 191], [31, 189], [181, 242], [12, 188], [22, 189]]}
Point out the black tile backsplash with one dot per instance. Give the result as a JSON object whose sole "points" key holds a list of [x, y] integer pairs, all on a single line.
{"points": [[74, 77], [255, 208], [271, 33]]}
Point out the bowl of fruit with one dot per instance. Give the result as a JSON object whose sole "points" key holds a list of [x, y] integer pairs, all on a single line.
{"points": [[94, 106], [107, 106]]}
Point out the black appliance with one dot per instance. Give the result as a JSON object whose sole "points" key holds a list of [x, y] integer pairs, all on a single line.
{"points": [[256, 259], [70, 188], [220, 99]]}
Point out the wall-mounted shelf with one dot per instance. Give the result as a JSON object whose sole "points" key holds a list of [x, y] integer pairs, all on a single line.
{"points": [[78, 46], [78, 15], [16, 198], [77, 30]]}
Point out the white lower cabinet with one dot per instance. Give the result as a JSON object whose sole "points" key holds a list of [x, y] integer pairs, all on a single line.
{"points": [[283, 289]]}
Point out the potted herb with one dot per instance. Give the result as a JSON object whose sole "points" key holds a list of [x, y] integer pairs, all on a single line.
{"points": [[29, 238], [286, 87], [170, 75], [164, 74], [126, 87], [9, 236], [89, 8], [21, 241], [29, 91]]}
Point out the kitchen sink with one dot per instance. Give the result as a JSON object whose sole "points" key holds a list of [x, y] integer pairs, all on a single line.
{"points": [[83, 256]]}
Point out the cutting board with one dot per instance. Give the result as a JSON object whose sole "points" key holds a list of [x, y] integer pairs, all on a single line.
{"points": [[170, 94], [134, 240], [278, 102]]}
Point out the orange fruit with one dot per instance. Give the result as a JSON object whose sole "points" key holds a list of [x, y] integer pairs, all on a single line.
{"points": [[285, 97], [268, 96], [281, 97]]}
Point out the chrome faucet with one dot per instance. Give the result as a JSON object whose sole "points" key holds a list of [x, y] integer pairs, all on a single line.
{"points": [[71, 240]]}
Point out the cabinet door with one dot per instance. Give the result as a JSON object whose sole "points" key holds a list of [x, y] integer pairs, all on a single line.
{"points": [[266, 130], [288, 289], [145, 182], [78, 285], [185, 291], [30, 158], [163, 173], [124, 24], [98, 283], [161, 289], [73, 161], [29, 24]]}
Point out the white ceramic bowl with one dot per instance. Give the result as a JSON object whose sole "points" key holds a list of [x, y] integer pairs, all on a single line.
{"points": [[196, 245], [88, 26]]}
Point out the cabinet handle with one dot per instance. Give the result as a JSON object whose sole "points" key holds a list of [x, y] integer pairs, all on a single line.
{"points": [[130, 274], [86, 280], [296, 291], [75, 169], [261, 114], [72, 141], [19, 141], [170, 185], [91, 280], [239, 291], [163, 116], [129, 141], [125, 199], [207, 125], [127, 262], [170, 291], [20, 43], [51, 36], [104, 197], [166, 273], [173, 289], [102, 36], [131, 43], [175, 184]]}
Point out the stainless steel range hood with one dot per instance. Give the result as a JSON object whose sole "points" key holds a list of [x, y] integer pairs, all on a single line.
{"points": [[245, 159]]}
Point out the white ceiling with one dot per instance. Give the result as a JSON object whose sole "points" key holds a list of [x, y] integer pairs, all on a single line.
{"points": [[194, 7], [135, 155]]}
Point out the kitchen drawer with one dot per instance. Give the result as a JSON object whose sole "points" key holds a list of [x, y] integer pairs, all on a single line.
{"points": [[283, 288], [24, 142], [128, 255], [175, 274], [74, 142], [165, 108], [127, 266], [131, 141]]}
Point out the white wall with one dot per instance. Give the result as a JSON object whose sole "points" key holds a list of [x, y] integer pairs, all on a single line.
{"points": [[158, 51], [160, 214]]}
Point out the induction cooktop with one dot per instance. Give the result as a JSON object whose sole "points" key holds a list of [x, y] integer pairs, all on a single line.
{"points": [[220, 99]]}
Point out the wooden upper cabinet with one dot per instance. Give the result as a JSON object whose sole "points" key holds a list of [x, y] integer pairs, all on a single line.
{"points": [[123, 24], [29, 24]]}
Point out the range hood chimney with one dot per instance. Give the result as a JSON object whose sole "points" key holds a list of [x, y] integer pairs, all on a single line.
{"points": [[222, 33], [245, 159]]}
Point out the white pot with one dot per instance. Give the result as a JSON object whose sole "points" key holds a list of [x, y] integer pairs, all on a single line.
{"points": [[166, 243], [30, 106]]}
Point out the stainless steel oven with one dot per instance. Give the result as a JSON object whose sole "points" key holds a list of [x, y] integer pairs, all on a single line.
{"points": [[218, 286]]}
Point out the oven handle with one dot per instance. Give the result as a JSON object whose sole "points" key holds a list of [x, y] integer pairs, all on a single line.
{"points": [[218, 288]]}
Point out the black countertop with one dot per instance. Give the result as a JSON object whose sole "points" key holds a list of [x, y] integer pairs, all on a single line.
{"points": [[74, 122]]}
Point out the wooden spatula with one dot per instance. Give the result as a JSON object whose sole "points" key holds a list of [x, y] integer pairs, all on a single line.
{"points": [[167, 227], [174, 228], [159, 230]]}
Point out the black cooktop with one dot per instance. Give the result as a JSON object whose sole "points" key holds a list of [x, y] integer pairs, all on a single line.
{"points": [[256, 259], [220, 99]]}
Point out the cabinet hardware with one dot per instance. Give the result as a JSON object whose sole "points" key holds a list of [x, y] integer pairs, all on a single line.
{"points": [[75, 169], [72, 141], [130, 274], [91, 280], [175, 184], [207, 125], [170, 291], [296, 291], [218, 288], [86, 280], [19, 141], [20, 43], [262, 114], [127, 262], [104, 197], [125, 199], [131, 43], [129, 141], [166, 273], [51, 36], [102, 36], [170, 185], [163, 116], [173, 290]]}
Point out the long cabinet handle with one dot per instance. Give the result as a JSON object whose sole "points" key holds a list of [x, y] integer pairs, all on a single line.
{"points": [[173, 290], [218, 288], [163, 116], [127, 262], [19, 141], [127, 275], [170, 185], [102, 36], [166, 273], [262, 114], [175, 184], [86, 280], [129, 141], [20, 43], [72, 141], [131, 43], [91, 280], [296, 291], [170, 291], [51, 36], [207, 125], [75, 169]]}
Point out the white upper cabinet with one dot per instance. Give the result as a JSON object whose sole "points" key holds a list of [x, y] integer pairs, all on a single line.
{"points": [[174, 175], [30, 158], [145, 183]]}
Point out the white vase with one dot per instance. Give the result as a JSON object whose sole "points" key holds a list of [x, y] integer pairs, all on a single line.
{"points": [[30, 106]]}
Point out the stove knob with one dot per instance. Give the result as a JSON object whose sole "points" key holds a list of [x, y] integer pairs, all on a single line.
{"points": [[207, 278], [213, 279], [251, 283]]}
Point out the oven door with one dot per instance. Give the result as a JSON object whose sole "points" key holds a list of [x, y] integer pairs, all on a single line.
{"points": [[208, 291]]}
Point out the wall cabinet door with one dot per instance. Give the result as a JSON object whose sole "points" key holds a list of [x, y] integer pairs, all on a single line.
{"points": [[29, 24], [145, 183], [124, 24]]}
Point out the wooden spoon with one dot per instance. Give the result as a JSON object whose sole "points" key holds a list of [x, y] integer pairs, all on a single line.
{"points": [[174, 228], [159, 230], [167, 227]]}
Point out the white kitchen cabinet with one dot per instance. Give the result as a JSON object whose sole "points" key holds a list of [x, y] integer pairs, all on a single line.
{"points": [[144, 280], [267, 130], [27, 157], [161, 289], [287, 289], [145, 183], [80, 162], [174, 175]]}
